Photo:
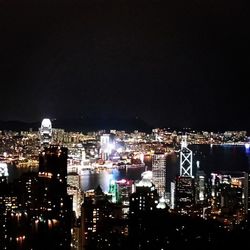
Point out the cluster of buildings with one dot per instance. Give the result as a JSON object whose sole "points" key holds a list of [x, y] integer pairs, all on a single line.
{"points": [[23, 147], [36, 210], [46, 209]]}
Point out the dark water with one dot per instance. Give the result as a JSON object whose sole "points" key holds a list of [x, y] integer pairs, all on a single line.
{"points": [[15, 172], [212, 159], [221, 158]]}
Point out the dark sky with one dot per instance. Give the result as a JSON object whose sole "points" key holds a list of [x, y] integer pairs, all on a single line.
{"points": [[171, 63]]}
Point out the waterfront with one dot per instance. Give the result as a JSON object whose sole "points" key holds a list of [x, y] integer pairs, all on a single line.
{"points": [[211, 159]]}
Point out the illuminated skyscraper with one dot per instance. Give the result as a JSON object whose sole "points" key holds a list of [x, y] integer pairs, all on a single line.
{"points": [[99, 221], [228, 195], [201, 189], [159, 173], [10, 224], [113, 190], [46, 132], [3, 172], [143, 206], [106, 146], [36, 210], [3, 210], [144, 199], [184, 184], [186, 159], [184, 194], [73, 189]]}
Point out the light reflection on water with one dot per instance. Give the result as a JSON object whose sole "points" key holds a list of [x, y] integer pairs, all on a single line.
{"points": [[217, 158], [91, 179], [232, 158]]}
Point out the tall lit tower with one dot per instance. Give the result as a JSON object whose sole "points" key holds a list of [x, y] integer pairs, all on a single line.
{"points": [[3, 172], [186, 159], [46, 132], [106, 146], [159, 173]]}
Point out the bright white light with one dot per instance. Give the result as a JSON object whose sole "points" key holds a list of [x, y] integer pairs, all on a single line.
{"points": [[46, 131], [112, 182], [144, 183], [3, 169], [111, 146], [184, 141], [142, 157], [247, 145], [119, 150], [161, 204], [46, 123], [162, 200], [122, 181], [147, 175], [198, 164]]}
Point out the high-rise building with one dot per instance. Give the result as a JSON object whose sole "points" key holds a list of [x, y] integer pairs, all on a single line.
{"points": [[3, 172], [53, 164], [35, 208], [201, 189], [172, 193], [52, 223], [144, 199], [184, 194], [28, 189], [73, 189], [10, 218], [114, 191], [102, 223], [159, 173], [186, 159], [144, 208], [107, 144], [228, 196], [125, 189], [46, 132]]}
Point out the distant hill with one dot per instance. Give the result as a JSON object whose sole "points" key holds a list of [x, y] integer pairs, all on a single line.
{"points": [[98, 123], [18, 125], [82, 124]]}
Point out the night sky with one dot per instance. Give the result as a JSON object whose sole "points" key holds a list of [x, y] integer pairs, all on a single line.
{"points": [[171, 63]]}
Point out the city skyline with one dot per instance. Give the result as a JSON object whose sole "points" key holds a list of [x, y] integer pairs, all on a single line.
{"points": [[126, 190], [180, 64]]}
